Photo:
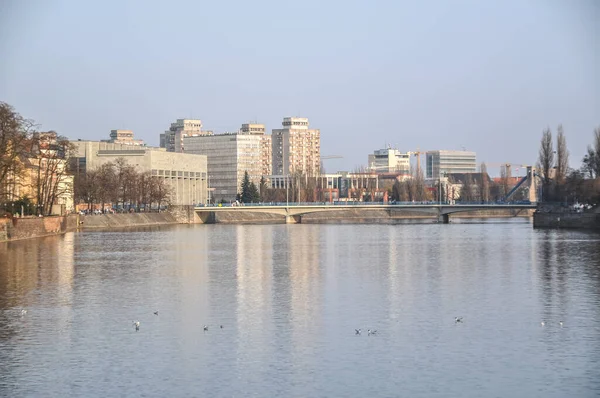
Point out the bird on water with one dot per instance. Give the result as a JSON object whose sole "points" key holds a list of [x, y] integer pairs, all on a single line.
{"points": [[458, 319], [543, 323], [23, 312], [155, 312], [205, 328], [221, 326], [357, 331], [137, 325], [370, 332]]}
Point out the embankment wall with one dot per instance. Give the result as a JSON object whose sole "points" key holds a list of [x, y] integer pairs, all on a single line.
{"points": [[567, 220]]}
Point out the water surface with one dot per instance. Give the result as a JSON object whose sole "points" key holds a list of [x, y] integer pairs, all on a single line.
{"points": [[289, 298]]}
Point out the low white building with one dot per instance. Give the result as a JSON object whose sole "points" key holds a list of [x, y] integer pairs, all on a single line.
{"points": [[186, 174]]}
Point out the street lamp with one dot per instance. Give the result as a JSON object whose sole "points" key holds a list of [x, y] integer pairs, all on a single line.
{"points": [[209, 189]]}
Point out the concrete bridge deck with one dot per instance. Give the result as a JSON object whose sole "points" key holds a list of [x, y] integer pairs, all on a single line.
{"points": [[293, 212]]}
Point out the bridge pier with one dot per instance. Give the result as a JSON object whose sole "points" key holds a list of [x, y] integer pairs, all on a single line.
{"points": [[444, 218], [205, 217], [293, 219]]}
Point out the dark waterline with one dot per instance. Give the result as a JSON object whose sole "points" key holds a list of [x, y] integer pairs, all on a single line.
{"points": [[289, 298]]}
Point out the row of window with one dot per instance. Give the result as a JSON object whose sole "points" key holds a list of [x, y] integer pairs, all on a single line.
{"points": [[173, 173]]}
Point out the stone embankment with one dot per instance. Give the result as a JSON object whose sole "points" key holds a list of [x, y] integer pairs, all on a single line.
{"points": [[555, 218], [25, 228], [375, 216], [35, 227]]}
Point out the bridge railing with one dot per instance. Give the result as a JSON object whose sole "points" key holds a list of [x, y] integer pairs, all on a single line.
{"points": [[356, 203]]}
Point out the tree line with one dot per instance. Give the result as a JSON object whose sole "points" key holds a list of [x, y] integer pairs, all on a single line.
{"points": [[121, 185], [34, 173], [561, 183]]}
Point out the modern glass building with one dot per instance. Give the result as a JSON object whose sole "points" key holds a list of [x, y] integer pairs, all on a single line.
{"points": [[439, 162]]}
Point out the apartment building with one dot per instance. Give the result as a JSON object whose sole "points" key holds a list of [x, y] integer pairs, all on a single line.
{"points": [[230, 155], [296, 148], [172, 139]]}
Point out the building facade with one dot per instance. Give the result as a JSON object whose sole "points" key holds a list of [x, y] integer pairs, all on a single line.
{"points": [[185, 174], [42, 176], [172, 139], [296, 148], [440, 162], [389, 160], [230, 155]]}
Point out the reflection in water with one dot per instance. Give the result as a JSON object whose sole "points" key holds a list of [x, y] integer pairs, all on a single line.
{"points": [[289, 298]]}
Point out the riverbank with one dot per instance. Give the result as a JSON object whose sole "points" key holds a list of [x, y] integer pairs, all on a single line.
{"points": [[557, 220], [36, 227]]}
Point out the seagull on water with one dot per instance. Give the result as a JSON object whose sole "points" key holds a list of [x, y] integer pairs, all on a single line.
{"points": [[205, 328], [221, 326], [155, 312], [370, 332], [137, 325], [458, 319], [560, 323], [23, 312], [357, 331], [543, 323]]}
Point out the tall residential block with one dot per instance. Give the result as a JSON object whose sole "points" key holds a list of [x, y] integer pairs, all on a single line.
{"points": [[172, 139], [230, 155], [296, 148], [389, 160], [440, 162]]}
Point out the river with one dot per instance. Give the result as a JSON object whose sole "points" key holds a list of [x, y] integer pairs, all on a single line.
{"points": [[289, 298]]}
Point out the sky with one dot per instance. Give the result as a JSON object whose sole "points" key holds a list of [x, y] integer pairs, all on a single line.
{"points": [[486, 76]]}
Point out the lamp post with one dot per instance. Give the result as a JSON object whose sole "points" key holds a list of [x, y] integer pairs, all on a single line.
{"points": [[208, 189], [440, 189]]}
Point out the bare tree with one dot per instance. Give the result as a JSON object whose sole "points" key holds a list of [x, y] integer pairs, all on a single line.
{"points": [[107, 182], [597, 150], [546, 159], [52, 178], [15, 146], [466, 192], [562, 156], [505, 176], [484, 184], [86, 188]]}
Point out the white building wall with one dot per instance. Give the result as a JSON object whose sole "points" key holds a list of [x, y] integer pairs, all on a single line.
{"points": [[439, 162], [186, 174]]}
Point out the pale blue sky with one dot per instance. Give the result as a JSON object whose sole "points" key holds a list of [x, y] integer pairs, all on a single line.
{"points": [[484, 75]]}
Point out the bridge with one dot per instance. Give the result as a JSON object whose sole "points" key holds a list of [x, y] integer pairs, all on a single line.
{"points": [[293, 212]]}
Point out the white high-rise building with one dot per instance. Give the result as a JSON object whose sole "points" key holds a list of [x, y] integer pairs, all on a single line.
{"points": [[389, 160], [296, 148], [172, 139], [230, 155], [440, 162]]}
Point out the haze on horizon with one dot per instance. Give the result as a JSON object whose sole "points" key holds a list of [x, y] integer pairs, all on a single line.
{"points": [[486, 76]]}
